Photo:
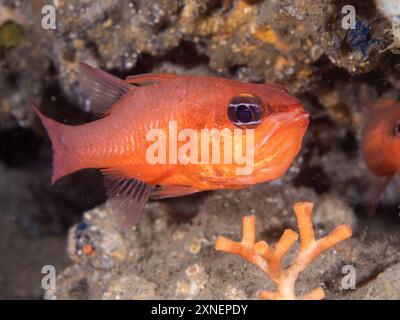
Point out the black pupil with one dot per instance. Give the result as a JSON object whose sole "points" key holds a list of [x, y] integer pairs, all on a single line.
{"points": [[244, 114], [396, 130], [245, 111]]}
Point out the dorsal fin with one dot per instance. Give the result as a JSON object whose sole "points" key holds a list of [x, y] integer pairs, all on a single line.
{"points": [[101, 88], [150, 78]]}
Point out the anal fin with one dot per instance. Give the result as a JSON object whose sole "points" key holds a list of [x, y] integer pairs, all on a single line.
{"points": [[128, 198]]}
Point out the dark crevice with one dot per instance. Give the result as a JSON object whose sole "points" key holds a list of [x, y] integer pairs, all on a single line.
{"points": [[184, 209], [18, 147], [313, 177], [185, 55]]}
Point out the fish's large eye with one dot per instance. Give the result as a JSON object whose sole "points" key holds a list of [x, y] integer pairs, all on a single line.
{"points": [[396, 129], [246, 111]]}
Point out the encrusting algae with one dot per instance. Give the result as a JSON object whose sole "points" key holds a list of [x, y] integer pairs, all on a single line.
{"points": [[269, 259]]}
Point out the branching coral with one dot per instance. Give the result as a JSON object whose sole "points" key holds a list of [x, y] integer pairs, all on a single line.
{"points": [[269, 259]]}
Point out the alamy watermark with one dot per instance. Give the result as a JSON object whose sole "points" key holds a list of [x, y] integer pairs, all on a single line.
{"points": [[349, 280], [49, 20], [202, 147], [49, 280], [349, 20]]}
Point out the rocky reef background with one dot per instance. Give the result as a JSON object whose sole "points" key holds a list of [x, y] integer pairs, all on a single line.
{"points": [[300, 44]]}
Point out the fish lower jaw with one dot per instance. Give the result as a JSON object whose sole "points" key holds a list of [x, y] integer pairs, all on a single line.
{"points": [[276, 164]]}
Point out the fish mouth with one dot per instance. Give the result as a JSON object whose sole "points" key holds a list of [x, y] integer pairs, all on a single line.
{"points": [[298, 118], [287, 132], [302, 118], [276, 151]]}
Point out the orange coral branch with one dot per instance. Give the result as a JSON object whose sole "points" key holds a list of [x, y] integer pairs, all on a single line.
{"points": [[270, 259]]}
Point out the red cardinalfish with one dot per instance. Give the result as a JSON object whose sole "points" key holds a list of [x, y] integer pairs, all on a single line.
{"points": [[118, 141], [381, 146]]}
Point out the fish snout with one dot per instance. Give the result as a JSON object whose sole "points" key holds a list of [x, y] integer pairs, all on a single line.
{"points": [[302, 118]]}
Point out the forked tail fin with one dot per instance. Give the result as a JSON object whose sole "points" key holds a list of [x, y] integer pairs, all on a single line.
{"points": [[58, 134]]}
